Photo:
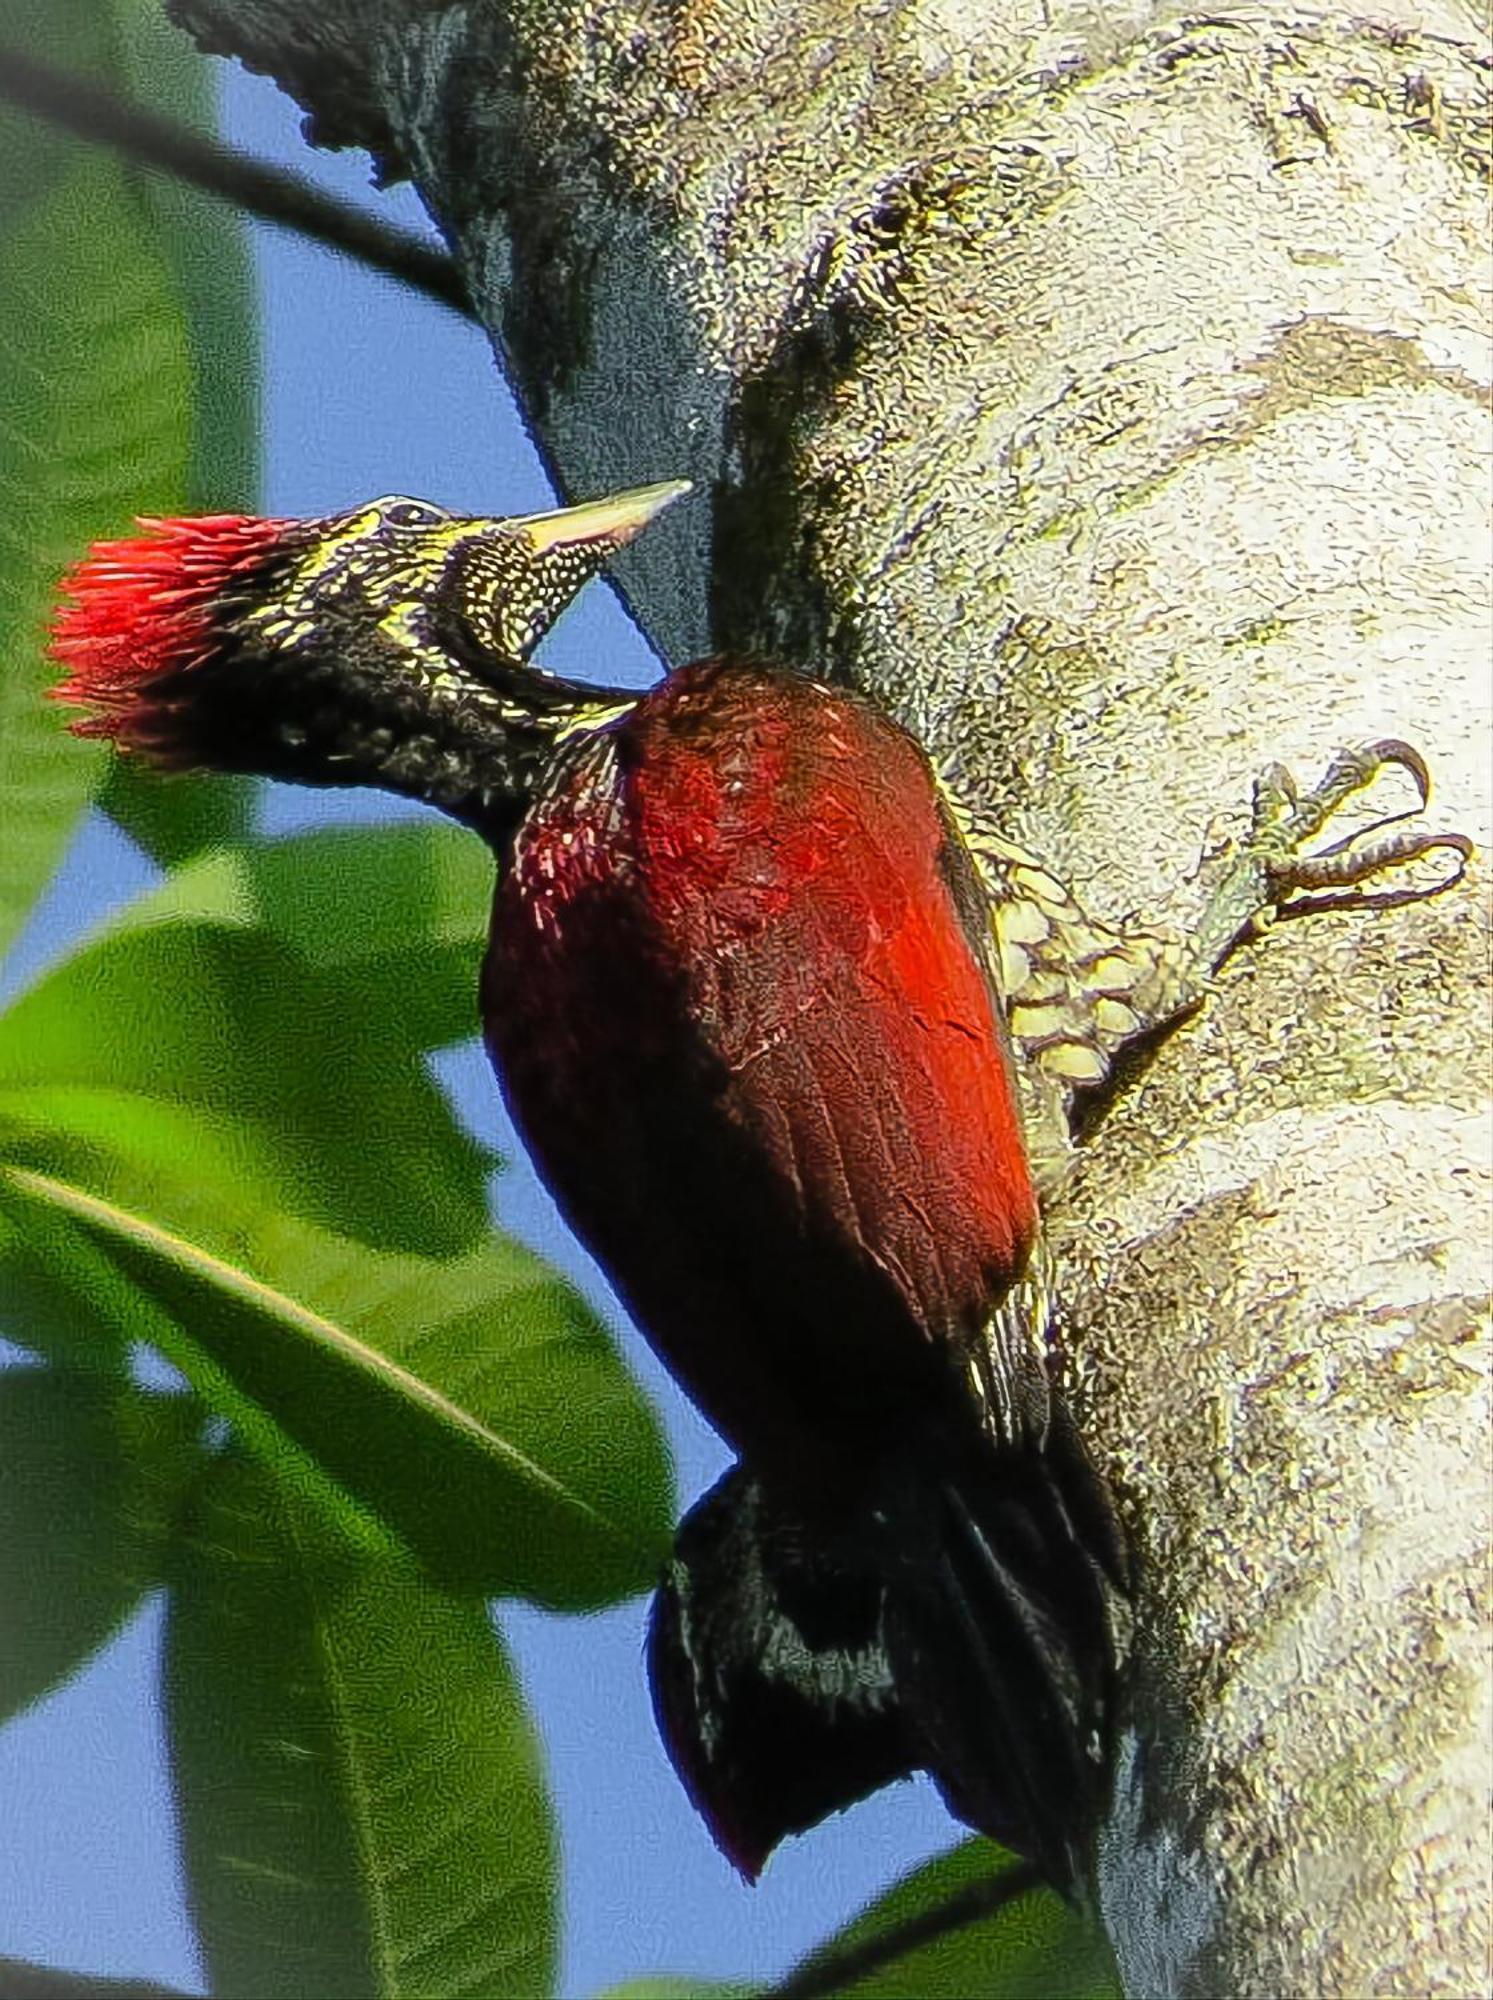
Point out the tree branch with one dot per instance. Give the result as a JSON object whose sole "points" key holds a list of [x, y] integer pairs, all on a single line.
{"points": [[101, 119], [21, 1980], [835, 1971]]}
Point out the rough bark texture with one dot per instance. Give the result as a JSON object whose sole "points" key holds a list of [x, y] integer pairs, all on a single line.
{"points": [[1108, 392]]}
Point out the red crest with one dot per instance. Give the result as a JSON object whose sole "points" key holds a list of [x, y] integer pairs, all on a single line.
{"points": [[139, 611]]}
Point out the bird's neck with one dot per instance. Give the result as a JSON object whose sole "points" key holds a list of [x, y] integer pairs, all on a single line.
{"points": [[473, 736]]}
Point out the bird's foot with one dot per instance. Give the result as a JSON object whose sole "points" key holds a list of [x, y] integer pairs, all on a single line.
{"points": [[1278, 872], [1079, 992]]}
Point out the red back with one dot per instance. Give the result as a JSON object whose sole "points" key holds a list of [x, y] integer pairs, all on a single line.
{"points": [[738, 1018]]}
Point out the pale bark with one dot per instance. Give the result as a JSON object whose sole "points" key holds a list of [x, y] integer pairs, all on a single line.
{"points": [[1107, 390]]}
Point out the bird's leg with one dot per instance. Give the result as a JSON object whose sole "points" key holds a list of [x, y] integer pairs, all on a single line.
{"points": [[1078, 991]]}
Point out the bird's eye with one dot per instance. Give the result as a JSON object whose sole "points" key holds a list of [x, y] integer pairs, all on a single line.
{"points": [[411, 514]]}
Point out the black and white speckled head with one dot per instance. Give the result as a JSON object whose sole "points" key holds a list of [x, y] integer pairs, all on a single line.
{"points": [[385, 645]]}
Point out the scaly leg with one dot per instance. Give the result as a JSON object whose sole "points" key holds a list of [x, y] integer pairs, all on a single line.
{"points": [[1079, 991]]}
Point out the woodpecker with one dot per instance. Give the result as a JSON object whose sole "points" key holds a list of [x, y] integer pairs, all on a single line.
{"points": [[747, 995]]}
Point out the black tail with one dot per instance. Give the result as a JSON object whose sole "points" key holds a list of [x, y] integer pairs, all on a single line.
{"points": [[1006, 1622], [966, 1617]]}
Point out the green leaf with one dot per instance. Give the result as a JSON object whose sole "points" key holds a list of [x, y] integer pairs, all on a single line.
{"points": [[396, 910], [90, 1472], [184, 1077], [474, 1405], [128, 385], [94, 374], [60, 1296], [34, 156], [45, 1256], [361, 1803], [174, 815], [205, 246], [286, 996], [1034, 1948]]}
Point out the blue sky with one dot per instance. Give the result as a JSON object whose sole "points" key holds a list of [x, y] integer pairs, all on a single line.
{"points": [[369, 390]]}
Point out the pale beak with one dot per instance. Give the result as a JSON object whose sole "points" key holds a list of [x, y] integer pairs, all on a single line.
{"points": [[565, 549], [607, 524]]}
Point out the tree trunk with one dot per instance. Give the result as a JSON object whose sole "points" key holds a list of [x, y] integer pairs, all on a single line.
{"points": [[1107, 391]]}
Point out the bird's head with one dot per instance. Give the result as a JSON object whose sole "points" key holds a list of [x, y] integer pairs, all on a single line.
{"points": [[386, 645]]}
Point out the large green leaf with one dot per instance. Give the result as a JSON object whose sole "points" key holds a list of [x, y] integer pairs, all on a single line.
{"points": [[94, 374], [1034, 1948], [361, 1804], [90, 1473], [174, 815], [67, 1297], [394, 911], [35, 156], [187, 1114], [62, 1297], [475, 1405], [127, 385], [205, 246], [285, 995]]}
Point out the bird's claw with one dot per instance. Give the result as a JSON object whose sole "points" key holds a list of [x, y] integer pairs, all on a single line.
{"points": [[1078, 991], [1285, 821]]}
